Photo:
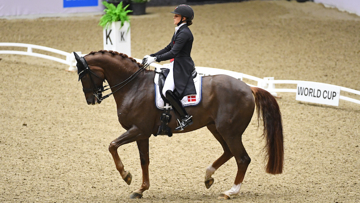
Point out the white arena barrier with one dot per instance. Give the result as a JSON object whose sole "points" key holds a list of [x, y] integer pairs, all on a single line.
{"points": [[267, 83], [69, 57]]}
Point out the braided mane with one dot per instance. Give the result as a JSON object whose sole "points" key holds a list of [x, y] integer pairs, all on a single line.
{"points": [[113, 53]]}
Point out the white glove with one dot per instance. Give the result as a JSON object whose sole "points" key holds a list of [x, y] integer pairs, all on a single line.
{"points": [[145, 59], [150, 60]]}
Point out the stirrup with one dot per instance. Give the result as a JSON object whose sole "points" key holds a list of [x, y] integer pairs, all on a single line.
{"points": [[183, 123]]}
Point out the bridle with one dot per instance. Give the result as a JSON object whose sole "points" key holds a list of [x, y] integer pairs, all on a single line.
{"points": [[97, 91]]}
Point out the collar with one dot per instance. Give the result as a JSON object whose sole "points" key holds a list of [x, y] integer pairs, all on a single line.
{"points": [[178, 27]]}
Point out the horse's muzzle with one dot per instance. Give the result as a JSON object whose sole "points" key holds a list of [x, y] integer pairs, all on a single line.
{"points": [[93, 100]]}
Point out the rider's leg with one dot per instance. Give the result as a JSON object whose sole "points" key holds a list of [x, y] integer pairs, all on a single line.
{"points": [[185, 118], [169, 81]]}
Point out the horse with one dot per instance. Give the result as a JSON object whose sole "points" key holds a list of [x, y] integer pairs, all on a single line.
{"points": [[226, 109]]}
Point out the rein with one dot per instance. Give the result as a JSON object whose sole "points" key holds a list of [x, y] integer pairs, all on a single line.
{"points": [[98, 91], [123, 83]]}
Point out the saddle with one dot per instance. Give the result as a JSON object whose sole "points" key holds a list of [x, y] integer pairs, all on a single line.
{"points": [[162, 103], [187, 100]]}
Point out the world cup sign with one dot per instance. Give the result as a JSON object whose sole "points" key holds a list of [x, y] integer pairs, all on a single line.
{"points": [[318, 93], [117, 39]]}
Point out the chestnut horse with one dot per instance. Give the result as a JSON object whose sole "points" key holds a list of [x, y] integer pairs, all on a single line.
{"points": [[226, 109]]}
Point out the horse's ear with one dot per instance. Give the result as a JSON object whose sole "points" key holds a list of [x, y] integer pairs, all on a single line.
{"points": [[77, 57], [80, 65]]}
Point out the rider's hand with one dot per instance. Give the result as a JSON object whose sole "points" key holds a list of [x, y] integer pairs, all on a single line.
{"points": [[145, 59], [150, 60]]}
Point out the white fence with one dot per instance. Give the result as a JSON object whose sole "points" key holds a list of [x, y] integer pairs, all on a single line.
{"points": [[69, 57], [267, 83]]}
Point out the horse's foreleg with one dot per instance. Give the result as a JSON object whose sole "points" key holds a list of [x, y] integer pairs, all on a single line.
{"points": [[131, 135], [220, 161], [143, 146], [118, 163]]}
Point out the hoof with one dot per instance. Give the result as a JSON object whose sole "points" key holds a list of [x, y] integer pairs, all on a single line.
{"points": [[136, 195], [223, 196], [128, 178], [209, 182]]}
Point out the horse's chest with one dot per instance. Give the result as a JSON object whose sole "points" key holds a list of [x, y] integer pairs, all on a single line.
{"points": [[124, 122], [126, 117]]}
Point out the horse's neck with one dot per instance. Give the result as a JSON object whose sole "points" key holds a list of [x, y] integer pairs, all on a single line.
{"points": [[118, 71]]}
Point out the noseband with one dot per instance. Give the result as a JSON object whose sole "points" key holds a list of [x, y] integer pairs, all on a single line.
{"points": [[97, 91]]}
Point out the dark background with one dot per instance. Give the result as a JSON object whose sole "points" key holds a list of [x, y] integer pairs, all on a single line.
{"points": [[176, 2]]}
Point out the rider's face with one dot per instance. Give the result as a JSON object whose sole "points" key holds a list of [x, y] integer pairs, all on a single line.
{"points": [[177, 19]]}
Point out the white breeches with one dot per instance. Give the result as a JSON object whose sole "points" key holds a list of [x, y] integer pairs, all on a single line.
{"points": [[169, 82]]}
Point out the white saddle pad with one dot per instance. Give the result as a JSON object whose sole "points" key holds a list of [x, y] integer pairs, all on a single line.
{"points": [[189, 100]]}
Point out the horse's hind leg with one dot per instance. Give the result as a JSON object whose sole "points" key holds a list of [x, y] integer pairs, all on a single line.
{"points": [[231, 134], [220, 161], [233, 138], [232, 146], [242, 160]]}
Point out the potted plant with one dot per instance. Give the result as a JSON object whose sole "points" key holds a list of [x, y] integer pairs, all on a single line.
{"points": [[138, 6], [116, 28], [114, 14]]}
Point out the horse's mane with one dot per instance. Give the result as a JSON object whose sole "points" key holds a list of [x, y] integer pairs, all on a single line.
{"points": [[113, 53]]}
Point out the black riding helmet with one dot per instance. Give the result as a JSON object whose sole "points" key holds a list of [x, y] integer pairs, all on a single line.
{"points": [[185, 11]]}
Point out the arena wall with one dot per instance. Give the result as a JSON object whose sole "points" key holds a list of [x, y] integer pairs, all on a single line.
{"points": [[24, 8], [46, 7], [351, 6]]}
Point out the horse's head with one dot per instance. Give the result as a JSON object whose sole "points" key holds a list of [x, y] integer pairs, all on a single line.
{"points": [[92, 80]]}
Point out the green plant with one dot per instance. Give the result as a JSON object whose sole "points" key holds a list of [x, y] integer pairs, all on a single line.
{"points": [[140, 1], [114, 14]]}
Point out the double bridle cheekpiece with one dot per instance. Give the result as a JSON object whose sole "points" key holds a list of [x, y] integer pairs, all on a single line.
{"points": [[83, 69]]}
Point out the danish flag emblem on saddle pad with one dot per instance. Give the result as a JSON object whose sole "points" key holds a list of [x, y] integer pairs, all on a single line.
{"points": [[191, 98]]}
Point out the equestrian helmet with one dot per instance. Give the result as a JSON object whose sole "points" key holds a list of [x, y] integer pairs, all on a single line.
{"points": [[185, 11]]}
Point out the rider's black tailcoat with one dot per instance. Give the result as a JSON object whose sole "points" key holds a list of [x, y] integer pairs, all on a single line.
{"points": [[179, 49]]}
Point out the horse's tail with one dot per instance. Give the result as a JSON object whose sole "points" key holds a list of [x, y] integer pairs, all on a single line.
{"points": [[268, 109]]}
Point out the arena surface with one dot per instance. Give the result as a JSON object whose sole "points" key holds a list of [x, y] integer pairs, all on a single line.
{"points": [[54, 147]]}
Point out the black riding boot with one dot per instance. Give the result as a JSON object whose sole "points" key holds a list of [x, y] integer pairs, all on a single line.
{"points": [[185, 118]]}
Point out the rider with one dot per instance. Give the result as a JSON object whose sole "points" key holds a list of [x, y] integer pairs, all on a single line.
{"points": [[179, 82]]}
